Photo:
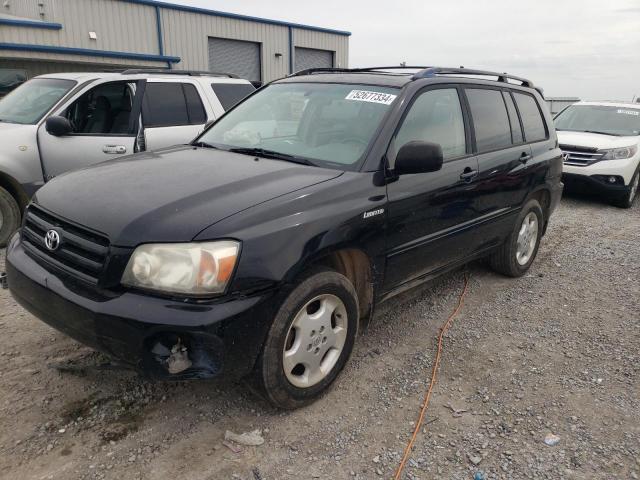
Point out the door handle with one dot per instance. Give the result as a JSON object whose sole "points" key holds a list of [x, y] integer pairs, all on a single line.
{"points": [[468, 175], [525, 157], [114, 149]]}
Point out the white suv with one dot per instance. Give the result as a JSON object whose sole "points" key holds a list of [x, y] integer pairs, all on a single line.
{"points": [[600, 143], [60, 122]]}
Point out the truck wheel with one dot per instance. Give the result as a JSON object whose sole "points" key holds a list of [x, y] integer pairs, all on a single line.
{"points": [[9, 216], [309, 341], [517, 253], [626, 201]]}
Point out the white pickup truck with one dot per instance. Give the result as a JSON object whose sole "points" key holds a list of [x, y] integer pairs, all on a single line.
{"points": [[60, 122]]}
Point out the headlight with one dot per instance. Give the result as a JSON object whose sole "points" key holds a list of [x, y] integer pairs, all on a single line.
{"points": [[619, 153], [184, 268]]}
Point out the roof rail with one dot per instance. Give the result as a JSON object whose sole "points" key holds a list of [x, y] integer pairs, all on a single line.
{"points": [[423, 72], [502, 77], [166, 71]]}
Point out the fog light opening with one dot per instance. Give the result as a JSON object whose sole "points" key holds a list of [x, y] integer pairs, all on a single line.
{"points": [[611, 179], [179, 360]]}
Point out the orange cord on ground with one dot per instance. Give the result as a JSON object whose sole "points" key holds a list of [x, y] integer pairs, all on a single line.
{"points": [[434, 375]]}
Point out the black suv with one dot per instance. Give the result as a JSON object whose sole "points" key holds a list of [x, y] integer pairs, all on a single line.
{"points": [[259, 249]]}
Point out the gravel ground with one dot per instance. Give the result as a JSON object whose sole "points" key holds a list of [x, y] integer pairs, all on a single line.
{"points": [[554, 352]]}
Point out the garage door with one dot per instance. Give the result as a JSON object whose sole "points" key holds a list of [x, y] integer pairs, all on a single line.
{"points": [[235, 56], [313, 58]]}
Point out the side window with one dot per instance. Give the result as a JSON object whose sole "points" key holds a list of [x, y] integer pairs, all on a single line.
{"points": [[490, 119], [435, 116], [171, 105], [534, 128], [103, 110], [516, 130], [195, 109], [231, 93]]}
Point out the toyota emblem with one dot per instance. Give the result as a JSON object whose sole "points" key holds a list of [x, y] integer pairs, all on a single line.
{"points": [[52, 240]]}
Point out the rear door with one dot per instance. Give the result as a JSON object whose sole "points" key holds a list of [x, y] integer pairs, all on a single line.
{"points": [[430, 215], [105, 121], [503, 157], [172, 113]]}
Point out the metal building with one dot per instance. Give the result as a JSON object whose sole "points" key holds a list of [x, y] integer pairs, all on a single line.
{"points": [[45, 36], [557, 104]]}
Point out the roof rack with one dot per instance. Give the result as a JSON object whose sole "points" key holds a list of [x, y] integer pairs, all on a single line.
{"points": [[166, 71], [423, 72], [502, 77]]}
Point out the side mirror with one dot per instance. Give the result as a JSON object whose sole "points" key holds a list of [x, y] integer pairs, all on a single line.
{"points": [[418, 157], [58, 126]]}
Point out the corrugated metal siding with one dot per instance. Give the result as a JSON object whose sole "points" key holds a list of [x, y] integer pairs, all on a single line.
{"points": [[324, 41], [186, 35], [129, 27], [35, 68], [103, 62], [31, 9]]}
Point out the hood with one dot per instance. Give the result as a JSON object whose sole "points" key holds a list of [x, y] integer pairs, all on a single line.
{"points": [[173, 194], [594, 140]]}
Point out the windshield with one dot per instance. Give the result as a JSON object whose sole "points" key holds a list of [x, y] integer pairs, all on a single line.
{"points": [[325, 124], [30, 101], [619, 121]]}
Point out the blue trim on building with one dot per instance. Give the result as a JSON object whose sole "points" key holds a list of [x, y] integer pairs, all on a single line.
{"points": [[160, 35], [291, 50], [90, 52], [236, 16], [30, 23]]}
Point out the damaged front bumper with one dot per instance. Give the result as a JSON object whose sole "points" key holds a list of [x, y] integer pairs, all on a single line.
{"points": [[162, 338]]}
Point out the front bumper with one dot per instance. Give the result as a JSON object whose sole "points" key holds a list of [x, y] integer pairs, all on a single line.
{"points": [[139, 330], [594, 184], [624, 168]]}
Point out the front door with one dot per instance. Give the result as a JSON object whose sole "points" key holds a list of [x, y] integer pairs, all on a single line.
{"points": [[430, 215], [105, 122]]}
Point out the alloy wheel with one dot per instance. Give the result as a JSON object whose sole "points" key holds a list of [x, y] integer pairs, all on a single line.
{"points": [[527, 238]]}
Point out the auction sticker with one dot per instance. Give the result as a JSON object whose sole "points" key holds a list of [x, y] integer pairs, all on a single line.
{"points": [[630, 112], [373, 97]]}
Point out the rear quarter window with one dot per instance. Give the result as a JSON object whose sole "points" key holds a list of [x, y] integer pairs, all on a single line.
{"points": [[532, 121], [490, 119], [231, 93]]}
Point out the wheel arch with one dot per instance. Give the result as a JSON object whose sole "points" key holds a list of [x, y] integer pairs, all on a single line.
{"points": [[356, 265], [12, 186]]}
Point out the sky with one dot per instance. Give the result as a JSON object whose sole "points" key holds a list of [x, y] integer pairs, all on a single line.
{"points": [[583, 48]]}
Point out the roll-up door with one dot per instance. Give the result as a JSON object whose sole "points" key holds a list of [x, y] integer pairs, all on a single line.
{"points": [[235, 56], [313, 58]]}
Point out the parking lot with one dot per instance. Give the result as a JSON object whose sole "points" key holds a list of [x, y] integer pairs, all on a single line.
{"points": [[555, 351]]}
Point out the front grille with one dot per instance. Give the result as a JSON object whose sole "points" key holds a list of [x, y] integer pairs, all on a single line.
{"points": [[581, 156], [81, 252]]}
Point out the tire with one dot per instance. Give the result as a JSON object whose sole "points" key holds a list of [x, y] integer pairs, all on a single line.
{"points": [[9, 216], [507, 259], [316, 293], [626, 201]]}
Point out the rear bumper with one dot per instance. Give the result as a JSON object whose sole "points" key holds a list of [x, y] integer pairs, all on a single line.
{"points": [[139, 330]]}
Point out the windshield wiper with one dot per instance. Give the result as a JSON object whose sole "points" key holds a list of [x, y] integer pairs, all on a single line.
{"points": [[204, 145], [602, 133], [261, 152]]}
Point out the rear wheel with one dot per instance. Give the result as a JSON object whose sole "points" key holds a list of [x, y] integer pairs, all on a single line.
{"points": [[9, 216], [310, 340], [516, 255], [626, 201]]}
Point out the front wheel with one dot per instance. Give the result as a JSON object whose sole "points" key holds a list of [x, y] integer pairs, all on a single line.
{"points": [[516, 255], [310, 340], [9, 216]]}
